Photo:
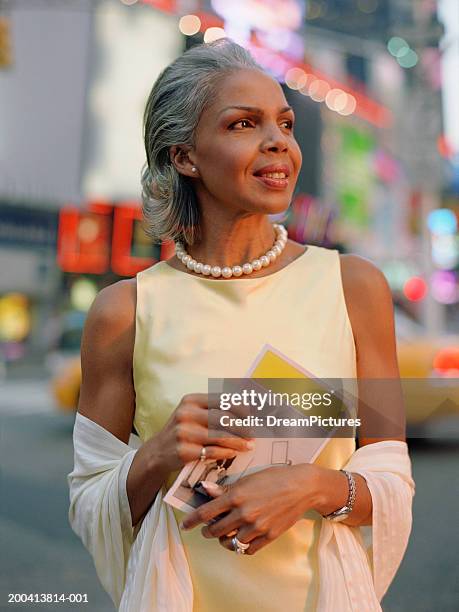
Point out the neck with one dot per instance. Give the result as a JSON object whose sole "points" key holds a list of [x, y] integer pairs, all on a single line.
{"points": [[241, 242]]}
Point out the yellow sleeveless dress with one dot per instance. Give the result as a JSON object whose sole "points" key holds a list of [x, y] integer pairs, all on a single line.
{"points": [[190, 328]]}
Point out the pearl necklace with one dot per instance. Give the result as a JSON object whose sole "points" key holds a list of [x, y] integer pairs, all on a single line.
{"points": [[246, 268]]}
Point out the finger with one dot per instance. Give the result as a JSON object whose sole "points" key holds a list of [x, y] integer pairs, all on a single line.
{"points": [[192, 452], [195, 406], [212, 432], [227, 543], [227, 423], [197, 434], [231, 522], [207, 512], [235, 396], [203, 400], [220, 402], [198, 399], [257, 544], [228, 524]]}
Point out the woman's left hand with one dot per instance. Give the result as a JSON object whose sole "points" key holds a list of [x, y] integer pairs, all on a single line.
{"points": [[259, 507]]}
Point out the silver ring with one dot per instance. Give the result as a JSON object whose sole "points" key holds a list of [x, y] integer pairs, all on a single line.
{"points": [[238, 546], [202, 456]]}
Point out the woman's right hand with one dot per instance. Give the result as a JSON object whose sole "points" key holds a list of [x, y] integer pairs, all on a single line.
{"points": [[187, 431]]}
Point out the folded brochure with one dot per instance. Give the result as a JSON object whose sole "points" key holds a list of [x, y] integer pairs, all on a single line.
{"points": [[186, 493]]}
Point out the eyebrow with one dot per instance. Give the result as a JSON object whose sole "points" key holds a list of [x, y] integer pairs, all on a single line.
{"points": [[254, 109]]}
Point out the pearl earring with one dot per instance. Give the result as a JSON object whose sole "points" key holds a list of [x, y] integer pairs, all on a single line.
{"points": [[193, 169]]}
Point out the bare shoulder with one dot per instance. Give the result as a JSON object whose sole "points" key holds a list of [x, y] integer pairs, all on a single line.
{"points": [[111, 318], [366, 289], [114, 304], [108, 299], [361, 274], [369, 304], [107, 391]]}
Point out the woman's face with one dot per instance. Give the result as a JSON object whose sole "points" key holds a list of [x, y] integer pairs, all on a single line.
{"points": [[245, 151]]}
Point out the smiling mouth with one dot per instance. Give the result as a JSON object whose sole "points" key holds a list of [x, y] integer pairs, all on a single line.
{"points": [[275, 175], [278, 180]]}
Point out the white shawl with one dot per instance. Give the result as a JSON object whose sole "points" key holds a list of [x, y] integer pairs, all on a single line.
{"points": [[145, 569]]}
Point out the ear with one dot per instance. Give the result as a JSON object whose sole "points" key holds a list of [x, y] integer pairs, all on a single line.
{"points": [[182, 158]]}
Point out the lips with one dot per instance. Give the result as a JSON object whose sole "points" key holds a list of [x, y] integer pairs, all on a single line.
{"points": [[274, 169], [275, 176]]}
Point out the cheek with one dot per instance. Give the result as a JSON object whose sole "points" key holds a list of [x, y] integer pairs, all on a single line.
{"points": [[297, 156], [229, 164]]}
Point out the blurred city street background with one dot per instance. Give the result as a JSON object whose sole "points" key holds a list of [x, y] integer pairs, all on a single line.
{"points": [[375, 89]]}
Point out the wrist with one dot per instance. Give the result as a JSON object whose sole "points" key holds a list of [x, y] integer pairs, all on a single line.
{"points": [[334, 491], [157, 461], [309, 483]]}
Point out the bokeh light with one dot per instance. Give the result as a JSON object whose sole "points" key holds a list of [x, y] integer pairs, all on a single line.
{"points": [[189, 25], [445, 250], [351, 105], [15, 319], [398, 47], [445, 148], [318, 90], [296, 78], [336, 99], [415, 289], [447, 359], [341, 102], [82, 294], [409, 59], [212, 34], [305, 88], [442, 221], [444, 287], [88, 229]]}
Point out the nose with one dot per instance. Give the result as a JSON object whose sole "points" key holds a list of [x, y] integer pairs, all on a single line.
{"points": [[274, 140]]}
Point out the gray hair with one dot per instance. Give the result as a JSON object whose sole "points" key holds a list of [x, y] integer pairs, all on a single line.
{"points": [[179, 96]]}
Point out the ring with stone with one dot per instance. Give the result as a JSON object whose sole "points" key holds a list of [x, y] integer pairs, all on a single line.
{"points": [[202, 456], [238, 546]]}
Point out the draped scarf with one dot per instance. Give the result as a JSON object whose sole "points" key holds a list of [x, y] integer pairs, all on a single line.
{"points": [[145, 569]]}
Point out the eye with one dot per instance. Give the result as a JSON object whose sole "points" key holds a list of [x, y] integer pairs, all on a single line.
{"points": [[240, 121], [289, 123]]}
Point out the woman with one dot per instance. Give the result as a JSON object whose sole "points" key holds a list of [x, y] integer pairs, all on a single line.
{"points": [[221, 157]]}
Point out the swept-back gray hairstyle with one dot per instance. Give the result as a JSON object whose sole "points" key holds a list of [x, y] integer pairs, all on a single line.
{"points": [[179, 96]]}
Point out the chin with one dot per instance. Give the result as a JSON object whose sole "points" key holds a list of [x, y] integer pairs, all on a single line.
{"points": [[273, 208]]}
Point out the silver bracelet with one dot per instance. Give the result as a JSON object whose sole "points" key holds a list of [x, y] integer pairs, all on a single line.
{"points": [[351, 481], [342, 513]]}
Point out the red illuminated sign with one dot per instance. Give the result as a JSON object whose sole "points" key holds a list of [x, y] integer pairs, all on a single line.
{"points": [[83, 239], [101, 237], [123, 263]]}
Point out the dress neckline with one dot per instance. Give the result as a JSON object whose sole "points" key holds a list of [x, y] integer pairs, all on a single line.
{"points": [[240, 279]]}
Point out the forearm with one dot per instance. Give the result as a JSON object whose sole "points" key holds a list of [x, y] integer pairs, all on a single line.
{"points": [[332, 491], [147, 474]]}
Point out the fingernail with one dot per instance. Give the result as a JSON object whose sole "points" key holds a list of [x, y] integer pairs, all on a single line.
{"points": [[250, 445], [181, 525]]}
